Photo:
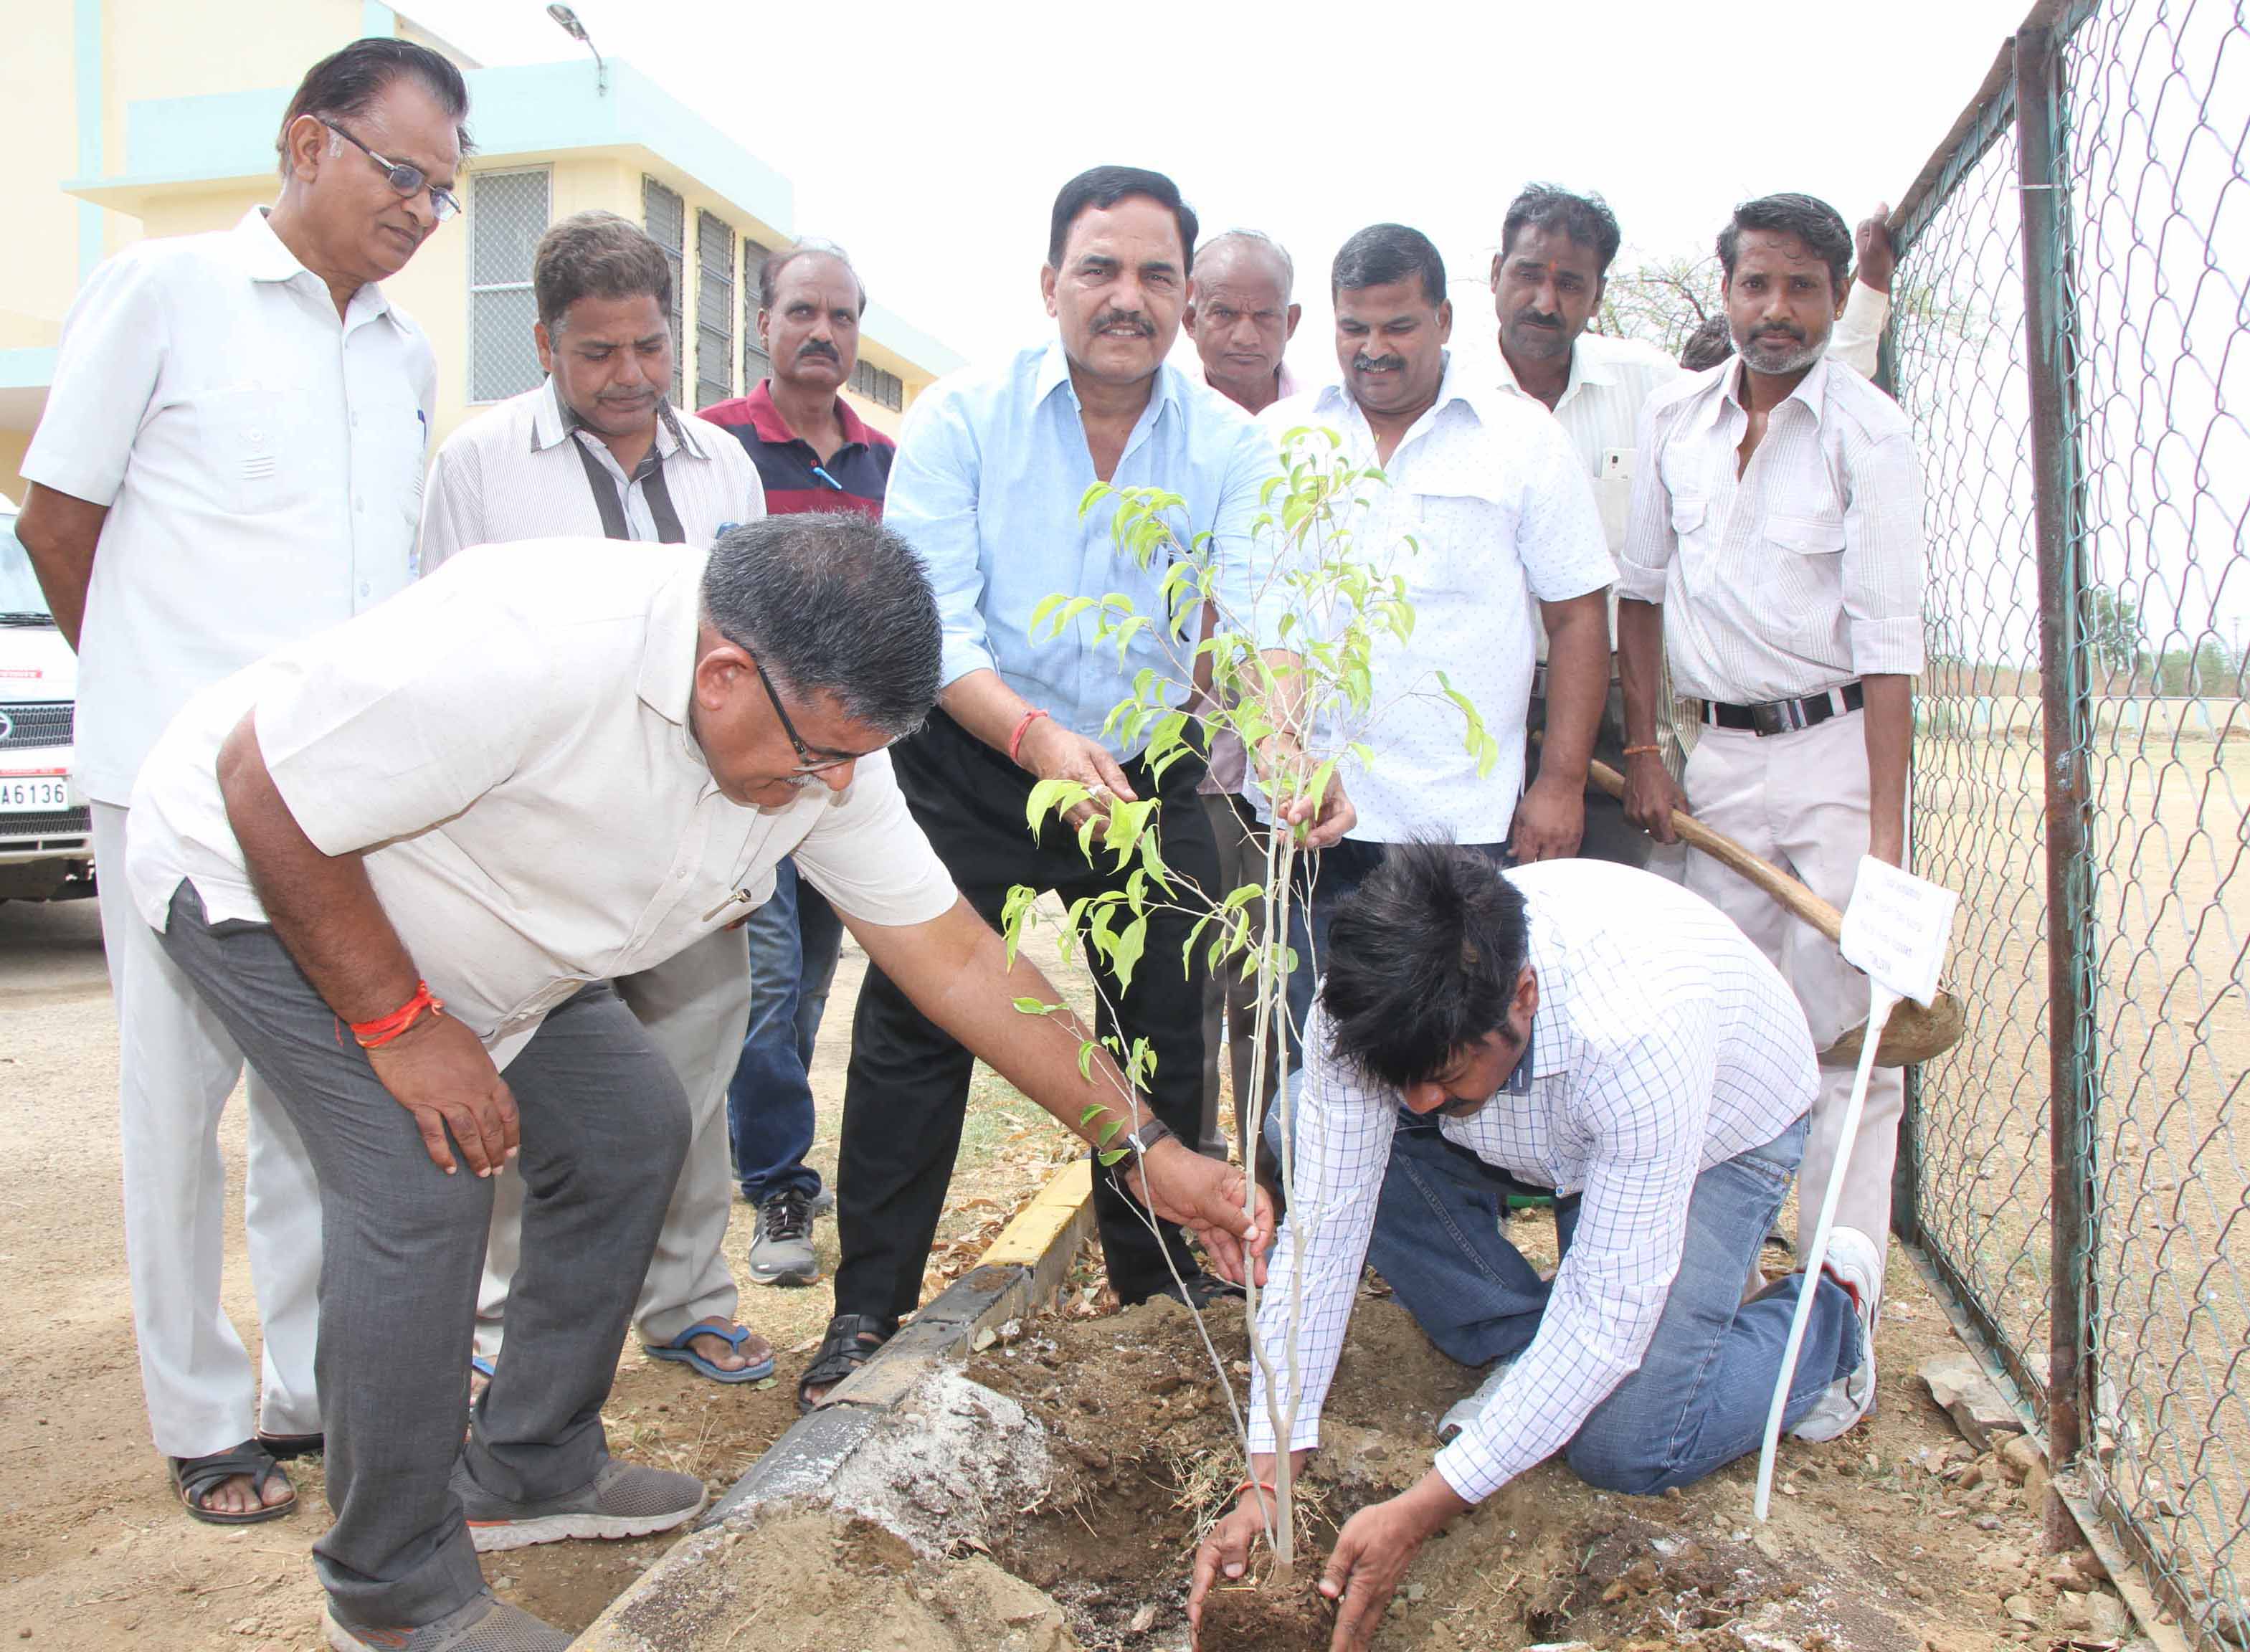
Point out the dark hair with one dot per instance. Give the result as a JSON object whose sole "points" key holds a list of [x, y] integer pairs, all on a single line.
{"points": [[773, 264], [1382, 254], [597, 254], [1585, 218], [1423, 961], [835, 603], [1711, 343], [1820, 226], [1101, 187], [347, 83]]}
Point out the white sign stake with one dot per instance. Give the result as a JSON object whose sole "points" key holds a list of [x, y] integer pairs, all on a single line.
{"points": [[1896, 929]]}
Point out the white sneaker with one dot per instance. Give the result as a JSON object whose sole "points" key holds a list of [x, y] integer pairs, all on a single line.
{"points": [[1855, 1261], [1469, 1407]]}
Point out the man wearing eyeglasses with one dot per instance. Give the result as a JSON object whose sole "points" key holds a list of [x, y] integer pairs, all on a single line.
{"points": [[230, 460], [587, 762], [595, 452]]}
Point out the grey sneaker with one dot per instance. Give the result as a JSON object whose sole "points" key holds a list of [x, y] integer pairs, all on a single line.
{"points": [[484, 1625], [625, 1500], [1855, 1261], [823, 1202], [781, 1248], [1469, 1407]]}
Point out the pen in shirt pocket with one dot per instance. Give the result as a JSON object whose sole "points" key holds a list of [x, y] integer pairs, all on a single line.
{"points": [[821, 471]]}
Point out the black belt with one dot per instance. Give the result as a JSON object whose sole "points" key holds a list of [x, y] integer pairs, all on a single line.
{"points": [[1786, 716]]}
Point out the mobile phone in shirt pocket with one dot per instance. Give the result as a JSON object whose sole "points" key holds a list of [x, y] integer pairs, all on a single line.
{"points": [[253, 441]]}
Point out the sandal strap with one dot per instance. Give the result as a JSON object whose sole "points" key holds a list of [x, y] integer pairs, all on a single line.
{"points": [[843, 1350], [199, 1475]]}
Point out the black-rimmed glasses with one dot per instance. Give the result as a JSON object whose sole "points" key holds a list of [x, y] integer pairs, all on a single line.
{"points": [[409, 181], [810, 759]]}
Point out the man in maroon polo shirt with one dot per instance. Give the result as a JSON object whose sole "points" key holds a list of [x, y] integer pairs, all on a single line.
{"points": [[813, 452]]}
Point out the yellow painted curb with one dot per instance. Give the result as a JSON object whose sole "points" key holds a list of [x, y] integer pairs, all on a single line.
{"points": [[1031, 1236]]}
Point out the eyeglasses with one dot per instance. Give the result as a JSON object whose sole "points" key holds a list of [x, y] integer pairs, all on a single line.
{"points": [[409, 181], [810, 759]]}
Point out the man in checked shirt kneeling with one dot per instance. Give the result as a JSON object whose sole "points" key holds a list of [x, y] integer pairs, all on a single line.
{"points": [[1575, 1026]]}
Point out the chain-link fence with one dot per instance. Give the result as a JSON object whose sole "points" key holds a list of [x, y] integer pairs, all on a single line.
{"points": [[2072, 344]]}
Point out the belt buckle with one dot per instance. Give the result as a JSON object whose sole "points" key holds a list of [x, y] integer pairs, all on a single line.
{"points": [[1775, 716]]}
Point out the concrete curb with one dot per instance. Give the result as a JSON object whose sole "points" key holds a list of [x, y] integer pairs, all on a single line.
{"points": [[1024, 1267]]}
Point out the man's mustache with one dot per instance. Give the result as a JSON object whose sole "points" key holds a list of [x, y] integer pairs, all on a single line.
{"points": [[1377, 363], [1537, 318], [1132, 318], [1791, 332], [805, 352]]}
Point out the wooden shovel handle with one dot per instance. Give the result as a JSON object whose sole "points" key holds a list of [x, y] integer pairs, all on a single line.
{"points": [[1723, 849]]}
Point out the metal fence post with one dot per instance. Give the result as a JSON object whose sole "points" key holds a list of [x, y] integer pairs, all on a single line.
{"points": [[2064, 710]]}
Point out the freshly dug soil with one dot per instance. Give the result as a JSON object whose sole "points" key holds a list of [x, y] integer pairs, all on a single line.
{"points": [[1263, 1617], [1898, 1538]]}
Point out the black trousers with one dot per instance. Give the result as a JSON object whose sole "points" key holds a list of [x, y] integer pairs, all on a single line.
{"points": [[1609, 835], [907, 1090]]}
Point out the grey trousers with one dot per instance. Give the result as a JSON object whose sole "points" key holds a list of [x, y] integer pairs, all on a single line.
{"points": [[605, 1128]]}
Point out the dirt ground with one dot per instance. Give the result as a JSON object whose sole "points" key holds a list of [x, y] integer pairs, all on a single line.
{"points": [[95, 1552], [1896, 1538]]}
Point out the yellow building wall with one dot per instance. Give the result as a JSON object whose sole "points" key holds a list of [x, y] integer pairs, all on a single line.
{"points": [[39, 125]]}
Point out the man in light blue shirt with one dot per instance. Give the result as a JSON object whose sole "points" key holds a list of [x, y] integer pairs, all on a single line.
{"points": [[991, 468]]}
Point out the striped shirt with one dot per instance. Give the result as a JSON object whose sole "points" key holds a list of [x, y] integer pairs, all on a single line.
{"points": [[1799, 573], [1664, 1044], [527, 469], [854, 477]]}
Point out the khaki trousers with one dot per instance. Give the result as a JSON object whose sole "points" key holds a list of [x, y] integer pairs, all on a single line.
{"points": [[1800, 800]]}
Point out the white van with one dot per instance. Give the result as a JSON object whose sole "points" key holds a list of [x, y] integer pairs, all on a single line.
{"points": [[46, 842]]}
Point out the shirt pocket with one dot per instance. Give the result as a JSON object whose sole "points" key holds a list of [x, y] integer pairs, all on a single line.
{"points": [[253, 442], [1458, 550], [1691, 515], [1808, 573]]}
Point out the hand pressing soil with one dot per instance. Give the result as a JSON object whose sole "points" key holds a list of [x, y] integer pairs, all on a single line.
{"points": [[1261, 1616]]}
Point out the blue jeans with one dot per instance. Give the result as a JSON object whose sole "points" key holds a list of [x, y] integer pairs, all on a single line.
{"points": [[794, 939], [1699, 1398]]}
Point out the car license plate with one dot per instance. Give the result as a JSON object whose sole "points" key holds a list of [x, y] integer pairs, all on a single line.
{"points": [[34, 794]]}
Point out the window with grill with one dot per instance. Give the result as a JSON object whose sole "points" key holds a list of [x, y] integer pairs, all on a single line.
{"points": [[507, 214], [885, 390], [714, 309], [664, 216], [755, 364]]}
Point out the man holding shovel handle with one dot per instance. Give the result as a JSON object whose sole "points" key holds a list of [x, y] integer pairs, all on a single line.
{"points": [[1774, 560]]}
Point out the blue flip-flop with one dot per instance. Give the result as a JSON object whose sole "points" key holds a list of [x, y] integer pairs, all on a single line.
{"points": [[678, 1349]]}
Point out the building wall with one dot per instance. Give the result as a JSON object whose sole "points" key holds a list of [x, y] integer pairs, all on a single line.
{"points": [[110, 55]]}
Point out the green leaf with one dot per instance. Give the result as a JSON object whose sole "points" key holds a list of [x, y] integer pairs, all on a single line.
{"points": [[1112, 1156], [1127, 953], [1110, 1130], [1090, 1114], [1086, 1062], [1034, 1006]]}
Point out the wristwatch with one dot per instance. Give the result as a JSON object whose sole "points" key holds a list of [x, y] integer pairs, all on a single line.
{"points": [[1140, 1140]]}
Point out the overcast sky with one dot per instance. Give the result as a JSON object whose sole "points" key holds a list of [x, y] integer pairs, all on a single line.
{"points": [[929, 140]]}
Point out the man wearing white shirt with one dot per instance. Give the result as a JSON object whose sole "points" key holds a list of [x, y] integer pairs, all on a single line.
{"points": [[587, 763], [1600, 1032], [595, 450], [1555, 249], [1487, 517], [1242, 313], [230, 460], [1774, 563]]}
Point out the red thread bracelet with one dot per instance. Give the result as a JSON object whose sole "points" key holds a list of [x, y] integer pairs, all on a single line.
{"points": [[1022, 726], [376, 1033], [1269, 1490]]}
